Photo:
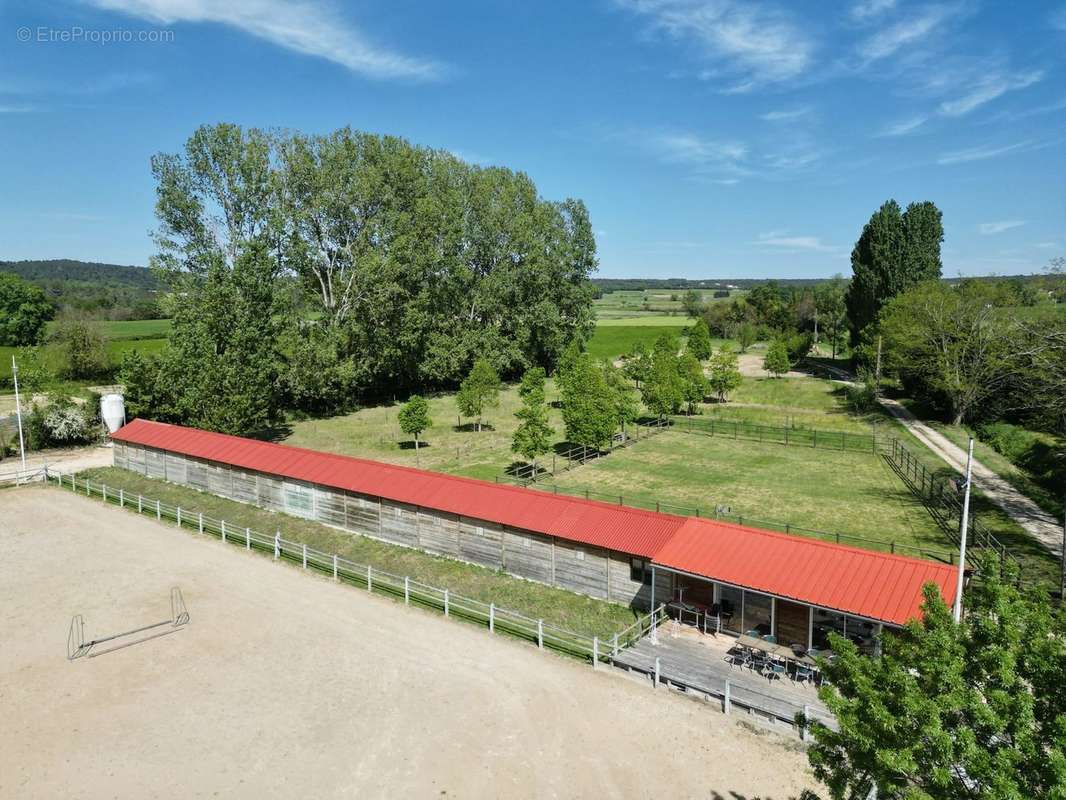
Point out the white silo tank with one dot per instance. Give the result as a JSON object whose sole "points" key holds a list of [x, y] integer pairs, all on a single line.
{"points": [[113, 411]]}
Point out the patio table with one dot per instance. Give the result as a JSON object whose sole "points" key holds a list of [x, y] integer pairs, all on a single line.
{"points": [[775, 650]]}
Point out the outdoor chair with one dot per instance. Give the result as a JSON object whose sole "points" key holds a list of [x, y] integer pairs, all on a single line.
{"points": [[770, 639], [738, 657], [802, 672]]}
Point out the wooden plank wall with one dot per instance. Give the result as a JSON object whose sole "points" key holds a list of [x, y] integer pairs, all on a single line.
{"points": [[583, 569], [118, 455]]}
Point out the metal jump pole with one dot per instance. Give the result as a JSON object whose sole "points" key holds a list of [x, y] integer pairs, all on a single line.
{"points": [[963, 525]]}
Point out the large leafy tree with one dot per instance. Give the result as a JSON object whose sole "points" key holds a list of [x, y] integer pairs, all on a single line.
{"points": [[664, 390], [82, 345], [724, 374], [776, 360], [222, 250], [897, 249], [699, 340], [588, 410], [623, 400], [480, 390], [951, 711], [950, 344], [693, 381], [533, 436], [24, 310], [832, 311], [636, 364]]}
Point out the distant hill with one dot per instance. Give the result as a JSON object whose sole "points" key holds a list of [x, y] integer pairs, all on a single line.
{"points": [[66, 269], [101, 291]]}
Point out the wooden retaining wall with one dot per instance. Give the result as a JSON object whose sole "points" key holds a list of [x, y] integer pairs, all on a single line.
{"points": [[580, 568]]}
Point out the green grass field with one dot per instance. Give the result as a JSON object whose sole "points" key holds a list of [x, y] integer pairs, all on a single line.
{"points": [[583, 615], [809, 403], [374, 433], [849, 493], [651, 302]]}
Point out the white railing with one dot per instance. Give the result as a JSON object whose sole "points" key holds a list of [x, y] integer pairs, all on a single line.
{"points": [[17, 477], [412, 592]]}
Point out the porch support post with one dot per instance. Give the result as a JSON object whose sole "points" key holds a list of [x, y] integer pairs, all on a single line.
{"points": [[654, 632]]}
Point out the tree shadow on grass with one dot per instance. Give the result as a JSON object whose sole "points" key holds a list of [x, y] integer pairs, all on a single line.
{"points": [[471, 427], [410, 445], [275, 433], [523, 470]]}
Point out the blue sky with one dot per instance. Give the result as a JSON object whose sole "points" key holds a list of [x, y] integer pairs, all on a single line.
{"points": [[709, 138]]}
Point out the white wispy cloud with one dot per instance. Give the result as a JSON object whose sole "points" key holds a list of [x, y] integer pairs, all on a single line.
{"points": [[987, 89], [911, 30], [304, 26], [753, 43], [1047, 245], [687, 148], [779, 239], [992, 228], [904, 126], [786, 115], [868, 9], [980, 153]]}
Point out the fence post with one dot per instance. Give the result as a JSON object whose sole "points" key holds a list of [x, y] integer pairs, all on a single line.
{"points": [[105, 493], [595, 651], [334, 566], [121, 498], [804, 735], [179, 516], [814, 440], [655, 683], [201, 522], [540, 634], [305, 556], [492, 617], [369, 578], [407, 591], [614, 645], [158, 510], [247, 538], [223, 525], [445, 602], [140, 501], [727, 700], [277, 545]]}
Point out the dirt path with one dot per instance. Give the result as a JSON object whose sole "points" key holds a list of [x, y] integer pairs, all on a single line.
{"points": [[1041, 525], [288, 685], [66, 461]]}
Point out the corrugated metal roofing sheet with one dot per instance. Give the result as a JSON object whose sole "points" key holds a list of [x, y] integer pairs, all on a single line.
{"points": [[629, 530], [876, 585], [863, 582]]}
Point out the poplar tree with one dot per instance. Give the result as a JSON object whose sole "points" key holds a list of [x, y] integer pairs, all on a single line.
{"points": [[533, 436], [699, 340]]}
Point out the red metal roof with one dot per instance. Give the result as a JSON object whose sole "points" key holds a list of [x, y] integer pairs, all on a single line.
{"points": [[849, 579], [863, 582], [629, 530]]}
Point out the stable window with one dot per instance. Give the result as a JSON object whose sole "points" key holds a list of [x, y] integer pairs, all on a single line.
{"points": [[638, 571]]}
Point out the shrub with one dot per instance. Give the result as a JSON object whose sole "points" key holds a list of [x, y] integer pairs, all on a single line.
{"points": [[1008, 440]]}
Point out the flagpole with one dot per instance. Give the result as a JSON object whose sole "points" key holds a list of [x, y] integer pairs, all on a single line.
{"points": [[963, 526], [18, 411]]}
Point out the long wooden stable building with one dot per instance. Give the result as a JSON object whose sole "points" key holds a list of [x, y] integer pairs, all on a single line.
{"points": [[799, 589]]}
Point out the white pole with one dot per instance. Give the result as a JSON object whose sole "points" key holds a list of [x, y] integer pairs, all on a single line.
{"points": [[18, 411], [334, 566], [962, 533]]}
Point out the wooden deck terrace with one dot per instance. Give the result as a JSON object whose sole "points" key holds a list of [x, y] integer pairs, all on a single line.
{"points": [[696, 664]]}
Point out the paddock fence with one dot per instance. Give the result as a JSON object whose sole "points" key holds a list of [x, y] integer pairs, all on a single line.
{"points": [[497, 619], [942, 496], [17, 477], [579, 455], [725, 514], [813, 438]]}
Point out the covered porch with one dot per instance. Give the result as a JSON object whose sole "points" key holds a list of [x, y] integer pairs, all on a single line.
{"points": [[718, 607]]}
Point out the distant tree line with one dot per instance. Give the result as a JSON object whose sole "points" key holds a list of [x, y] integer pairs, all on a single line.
{"points": [[99, 291], [312, 271]]}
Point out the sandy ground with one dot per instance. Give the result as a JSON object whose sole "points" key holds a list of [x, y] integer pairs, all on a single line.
{"points": [[66, 461], [287, 685]]}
